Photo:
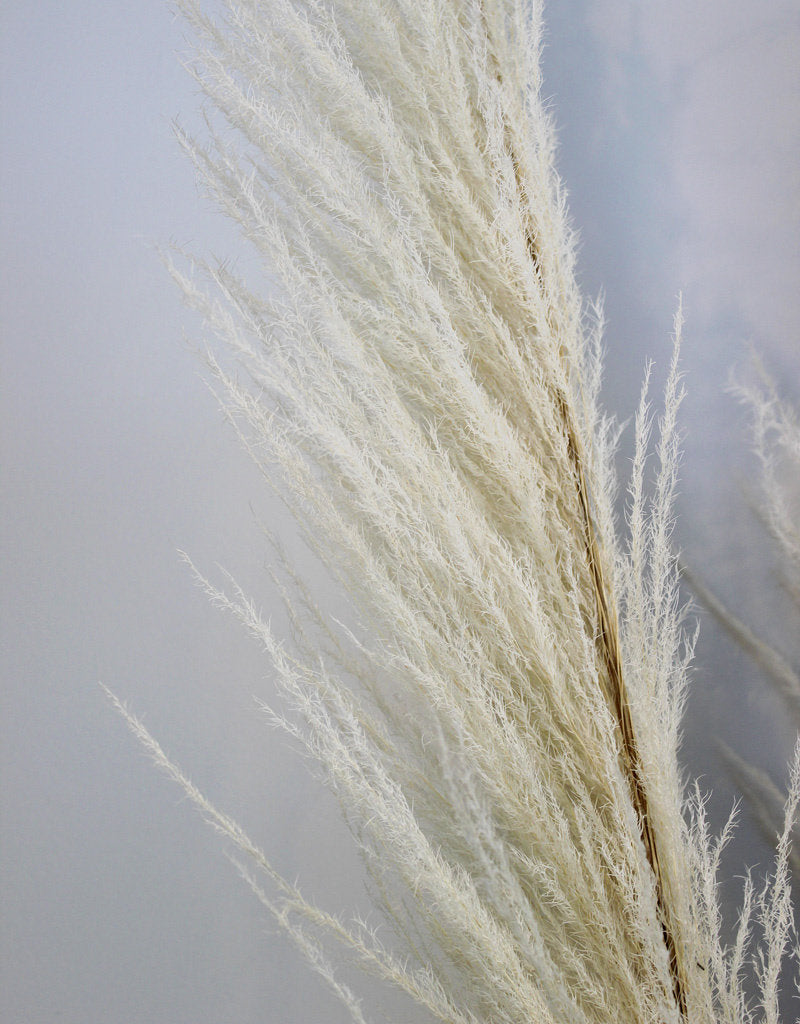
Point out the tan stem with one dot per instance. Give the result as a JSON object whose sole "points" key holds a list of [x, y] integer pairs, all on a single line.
{"points": [[616, 695]]}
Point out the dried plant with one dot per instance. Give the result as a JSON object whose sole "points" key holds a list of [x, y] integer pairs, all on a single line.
{"points": [[775, 433], [776, 439], [501, 719]]}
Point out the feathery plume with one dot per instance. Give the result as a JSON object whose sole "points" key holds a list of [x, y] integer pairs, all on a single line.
{"points": [[776, 440], [500, 719]]}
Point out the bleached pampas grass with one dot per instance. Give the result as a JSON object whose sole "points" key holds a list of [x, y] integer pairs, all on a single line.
{"points": [[776, 440], [775, 431], [502, 725]]}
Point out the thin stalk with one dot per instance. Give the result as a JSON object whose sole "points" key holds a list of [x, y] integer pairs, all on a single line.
{"points": [[616, 695], [608, 644]]}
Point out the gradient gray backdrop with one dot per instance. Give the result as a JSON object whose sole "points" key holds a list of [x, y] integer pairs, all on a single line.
{"points": [[680, 135]]}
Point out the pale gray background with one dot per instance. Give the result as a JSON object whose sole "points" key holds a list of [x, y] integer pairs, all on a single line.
{"points": [[680, 148]]}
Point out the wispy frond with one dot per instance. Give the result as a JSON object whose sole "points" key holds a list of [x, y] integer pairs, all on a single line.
{"points": [[420, 381], [776, 439]]}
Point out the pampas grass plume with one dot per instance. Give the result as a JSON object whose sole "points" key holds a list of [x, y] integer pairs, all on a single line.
{"points": [[420, 382]]}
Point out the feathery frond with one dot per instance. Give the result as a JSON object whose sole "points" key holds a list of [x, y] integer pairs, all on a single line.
{"points": [[776, 439], [501, 719]]}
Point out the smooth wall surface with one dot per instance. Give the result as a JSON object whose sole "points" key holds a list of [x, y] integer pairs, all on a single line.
{"points": [[680, 147]]}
